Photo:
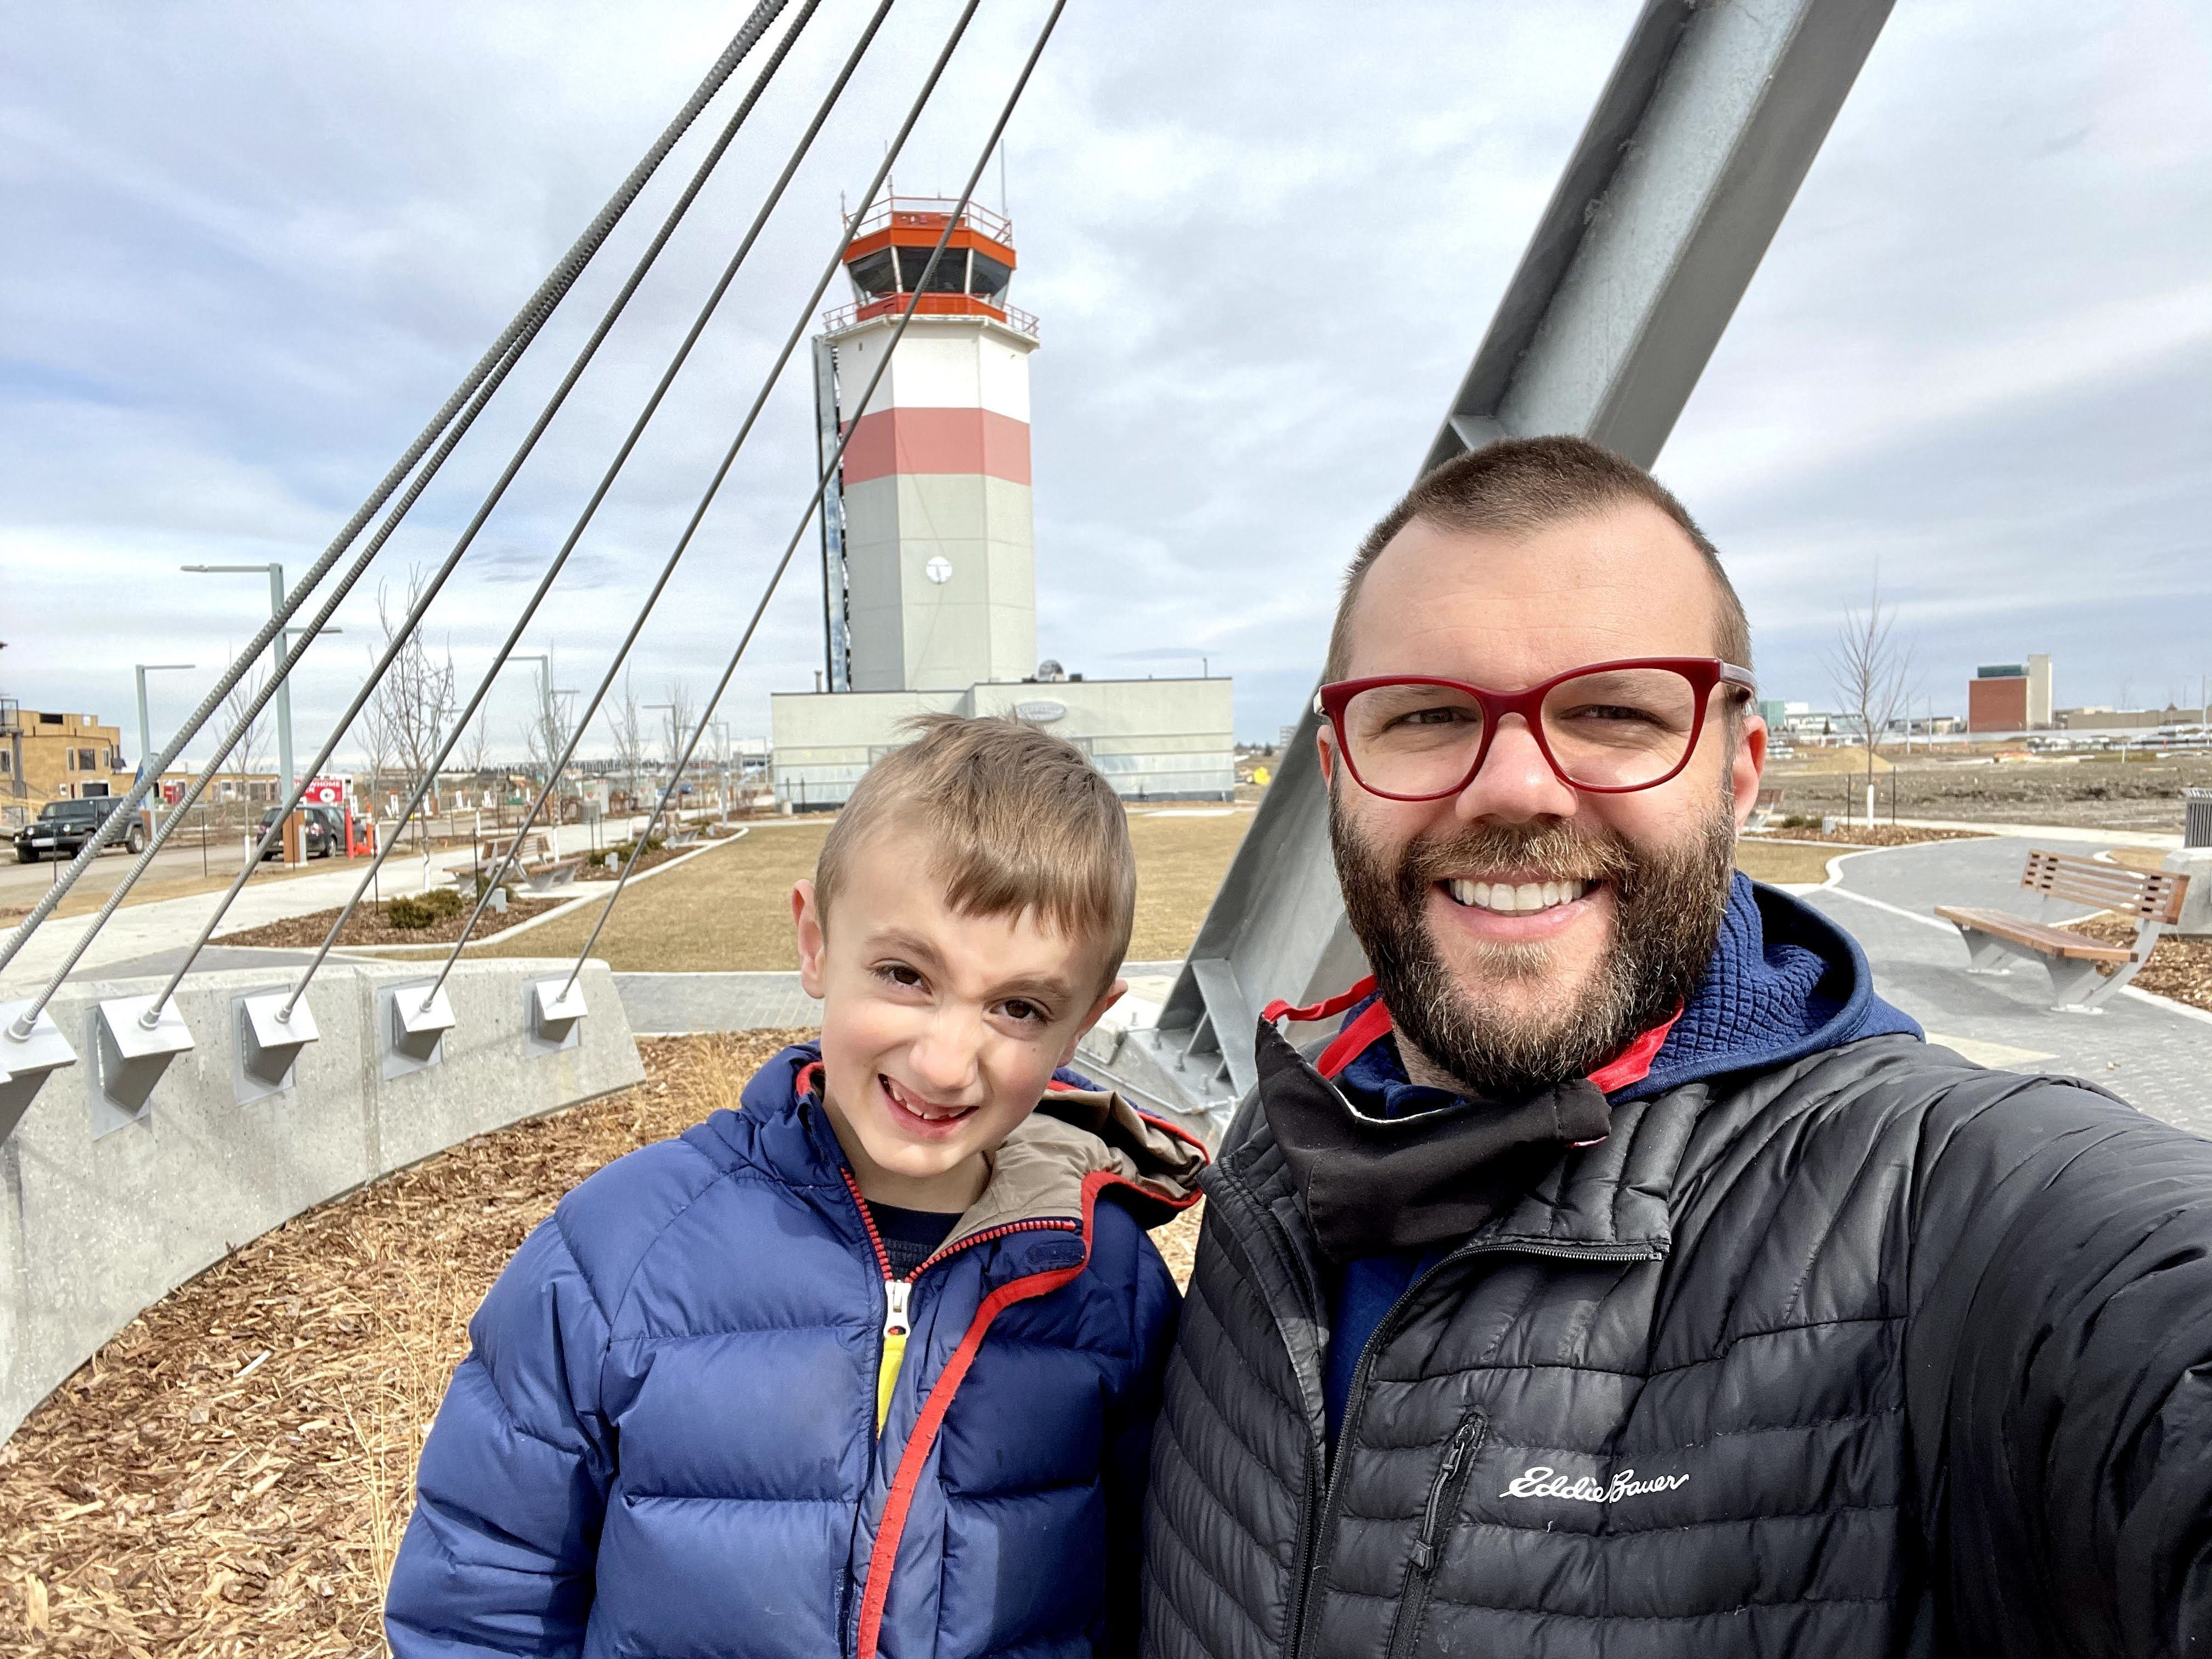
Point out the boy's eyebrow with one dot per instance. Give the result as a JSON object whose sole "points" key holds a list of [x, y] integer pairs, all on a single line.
{"points": [[1047, 987]]}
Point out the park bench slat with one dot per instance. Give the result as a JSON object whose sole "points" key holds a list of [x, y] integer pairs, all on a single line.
{"points": [[2057, 941]]}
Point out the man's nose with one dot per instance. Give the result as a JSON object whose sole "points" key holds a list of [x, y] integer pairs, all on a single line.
{"points": [[1515, 783], [947, 1057]]}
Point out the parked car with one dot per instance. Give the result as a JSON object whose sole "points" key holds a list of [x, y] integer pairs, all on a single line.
{"points": [[63, 826], [324, 832]]}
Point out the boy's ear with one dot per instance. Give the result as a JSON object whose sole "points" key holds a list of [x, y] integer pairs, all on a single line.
{"points": [[1112, 994], [813, 943]]}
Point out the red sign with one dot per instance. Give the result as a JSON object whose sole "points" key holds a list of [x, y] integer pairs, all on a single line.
{"points": [[326, 792]]}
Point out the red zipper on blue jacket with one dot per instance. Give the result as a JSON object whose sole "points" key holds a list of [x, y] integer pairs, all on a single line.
{"points": [[895, 1291], [884, 1257]]}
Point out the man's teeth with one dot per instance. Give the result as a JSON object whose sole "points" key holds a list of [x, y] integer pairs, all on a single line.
{"points": [[1511, 899]]}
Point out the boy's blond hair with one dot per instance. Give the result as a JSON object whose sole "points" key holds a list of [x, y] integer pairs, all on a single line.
{"points": [[1018, 821]]}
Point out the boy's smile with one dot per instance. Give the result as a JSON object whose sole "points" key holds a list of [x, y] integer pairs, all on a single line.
{"points": [[941, 1032]]}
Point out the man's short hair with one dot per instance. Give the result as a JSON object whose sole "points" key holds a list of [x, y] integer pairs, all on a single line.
{"points": [[1518, 486], [1017, 821]]}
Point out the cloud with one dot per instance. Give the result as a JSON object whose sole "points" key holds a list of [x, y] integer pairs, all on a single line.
{"points": [[251, 257]]}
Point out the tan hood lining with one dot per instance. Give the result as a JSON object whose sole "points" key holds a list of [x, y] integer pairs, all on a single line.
{"points": [[1038, 1171]]}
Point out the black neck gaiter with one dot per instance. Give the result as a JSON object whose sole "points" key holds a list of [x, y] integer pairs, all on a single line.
{"points": [[1379, 1186]]}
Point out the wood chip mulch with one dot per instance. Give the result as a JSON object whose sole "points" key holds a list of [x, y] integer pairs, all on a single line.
{"points": [[231, 1474], [612, 868], [2178, 968], [366, 925]]}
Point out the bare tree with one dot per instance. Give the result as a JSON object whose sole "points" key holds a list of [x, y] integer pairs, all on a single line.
{"points": [[251, 749], [545, 734], [374, 738], [681, 710], [415, 699], [718, 757], [626, 723], [475, 750], [1873, 671]]}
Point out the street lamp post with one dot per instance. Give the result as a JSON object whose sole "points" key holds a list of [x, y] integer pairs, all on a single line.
{"points": [[276, 572], [285, 641], [145, 724]]}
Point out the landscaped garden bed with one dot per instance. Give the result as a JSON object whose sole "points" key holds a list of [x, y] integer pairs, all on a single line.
{"points": [[375, 923]]}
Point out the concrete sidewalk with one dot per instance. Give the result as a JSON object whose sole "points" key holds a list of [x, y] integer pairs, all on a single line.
{"points": [[139, 932], [2154, 1053]]}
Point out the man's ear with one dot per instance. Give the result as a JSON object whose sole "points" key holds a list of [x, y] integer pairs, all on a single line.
{"points": [[1747, 761], [1112, 994], [1325, 746], [813, 940]]}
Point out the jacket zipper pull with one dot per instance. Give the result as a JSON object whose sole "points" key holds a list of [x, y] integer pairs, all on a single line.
{"points": [[895, 1292], [1433, 1518]]}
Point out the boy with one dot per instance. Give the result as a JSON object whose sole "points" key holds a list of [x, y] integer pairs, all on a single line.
{"points": [[865, 1368]]}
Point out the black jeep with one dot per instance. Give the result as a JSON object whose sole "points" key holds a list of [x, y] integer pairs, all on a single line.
{"points": [[63, 826]]}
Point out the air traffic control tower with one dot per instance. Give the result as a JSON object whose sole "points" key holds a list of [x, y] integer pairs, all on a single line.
{"points": [[928, 555]]}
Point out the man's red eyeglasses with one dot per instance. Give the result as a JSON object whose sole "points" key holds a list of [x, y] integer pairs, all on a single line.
{"points": [[1609, 727]]}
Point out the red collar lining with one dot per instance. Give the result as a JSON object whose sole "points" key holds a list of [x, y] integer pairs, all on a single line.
{"points": [[1632, 1065]]}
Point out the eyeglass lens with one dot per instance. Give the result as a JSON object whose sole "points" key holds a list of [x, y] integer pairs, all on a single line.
{"points": [[1617, 728]]}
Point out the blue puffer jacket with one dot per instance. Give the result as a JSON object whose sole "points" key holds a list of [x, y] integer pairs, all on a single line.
{"points": [[664, 1440]]}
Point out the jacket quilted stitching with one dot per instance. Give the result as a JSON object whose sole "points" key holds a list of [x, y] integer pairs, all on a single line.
{"points": [[1874, 1352], [663, 1440]]}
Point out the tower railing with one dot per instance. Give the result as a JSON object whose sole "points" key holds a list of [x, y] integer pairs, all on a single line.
{"points": [[932, 305], [929, 213]]}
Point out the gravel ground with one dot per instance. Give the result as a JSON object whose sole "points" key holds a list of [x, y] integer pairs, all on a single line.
{"points": [[1861, 835], [2093, 793], [231, 1474]]}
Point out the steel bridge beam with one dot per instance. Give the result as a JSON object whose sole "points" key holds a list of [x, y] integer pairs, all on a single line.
{"points": [[1696, 148]]}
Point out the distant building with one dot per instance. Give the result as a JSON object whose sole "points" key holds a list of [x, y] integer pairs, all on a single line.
{"points": [[52, 757], [2013, 696], [929, 555]]}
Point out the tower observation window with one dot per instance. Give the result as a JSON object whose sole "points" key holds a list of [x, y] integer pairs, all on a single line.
{"points": [[876, 274]]}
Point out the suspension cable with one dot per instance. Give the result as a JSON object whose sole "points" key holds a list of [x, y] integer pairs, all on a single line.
{"points": [[497, 360], [821, 486], [530, 610], [559, 763], [411, 621]]}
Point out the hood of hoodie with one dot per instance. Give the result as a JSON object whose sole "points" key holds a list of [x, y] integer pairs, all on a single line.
{"points": [[1080, 1139]]}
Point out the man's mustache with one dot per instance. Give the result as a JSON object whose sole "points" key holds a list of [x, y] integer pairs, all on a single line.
{"points": [[1555, 852]]}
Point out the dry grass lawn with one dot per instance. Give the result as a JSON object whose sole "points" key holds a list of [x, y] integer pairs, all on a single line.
{"points": [[731, 911], [231, 1474], [1785, 861]]}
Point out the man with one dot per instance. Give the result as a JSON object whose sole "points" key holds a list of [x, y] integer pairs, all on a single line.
{"points": [[1624, 1278]]}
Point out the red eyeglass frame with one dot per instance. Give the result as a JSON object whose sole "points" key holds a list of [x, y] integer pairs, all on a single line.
{"points": [[1704, 673]]}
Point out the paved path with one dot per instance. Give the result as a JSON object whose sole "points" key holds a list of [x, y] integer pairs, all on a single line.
{"points": [[678, 1005], [138, 932], [2154, 1053]]}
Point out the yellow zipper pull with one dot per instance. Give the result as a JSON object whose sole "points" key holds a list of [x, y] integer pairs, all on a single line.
{"points": [[895, 1293]]}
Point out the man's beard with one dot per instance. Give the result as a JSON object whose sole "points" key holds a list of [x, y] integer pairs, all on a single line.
{"points": [[1668, 904]]}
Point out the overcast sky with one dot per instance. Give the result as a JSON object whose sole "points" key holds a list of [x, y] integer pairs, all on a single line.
{"points": [[252, 246]]}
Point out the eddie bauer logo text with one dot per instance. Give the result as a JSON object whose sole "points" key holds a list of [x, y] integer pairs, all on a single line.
{"points": [[1544, 1482]]}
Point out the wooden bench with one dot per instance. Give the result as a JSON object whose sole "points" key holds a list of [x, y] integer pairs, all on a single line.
{"points": [[684, 836], [1764, 809], [2083, 972], [533, 861]]}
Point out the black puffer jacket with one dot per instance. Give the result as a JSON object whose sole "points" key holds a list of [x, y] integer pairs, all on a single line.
{"points": [[1871, 1352]]}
